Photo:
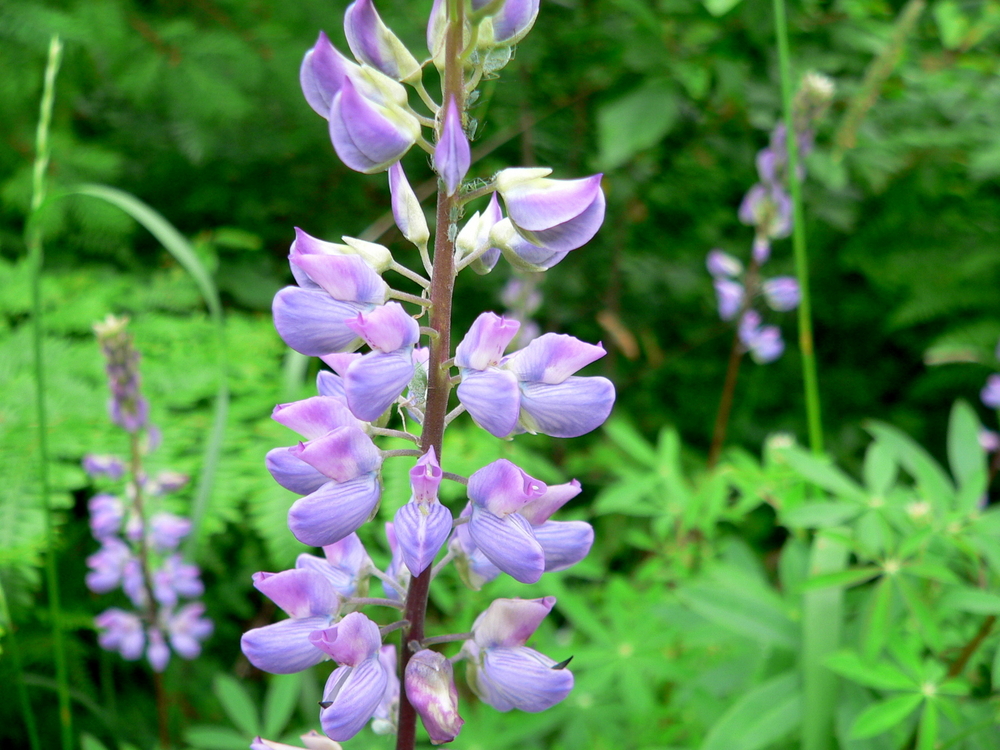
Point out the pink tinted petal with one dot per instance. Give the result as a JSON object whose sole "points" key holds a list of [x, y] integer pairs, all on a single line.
{"points": [[330, 385], [299, 592], [344, 277], [509, 543], [374, 382], [284, 647], [340, 362], [386, 328], [511, 622], [421, 530], [356, 700], [452, 156], [502, 487], [334, 511], [342, 454], [430, 687], [313, 323], [492, 398], [565, 543], [539, 511], [351, 641], [568, 409], [425, 477], [483, 346], [522, 678], [293, 473], [552, 358], [349, 554], [314, 417]]}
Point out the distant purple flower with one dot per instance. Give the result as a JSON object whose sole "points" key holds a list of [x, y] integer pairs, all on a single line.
{"points": [[111, 467], [730, 296], [187, 629], [991, 392], [166, 531], [354, 691], [769, 209], [723, 265], [763, 342], [176, 578], [430, 688], [107, 565], [121, 631], [157, 651], [106, 515], [503, 672], [126, 407], [782, 293]]}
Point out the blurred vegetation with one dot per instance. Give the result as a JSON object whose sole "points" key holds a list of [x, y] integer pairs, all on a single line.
{"points": [[194, 106]]}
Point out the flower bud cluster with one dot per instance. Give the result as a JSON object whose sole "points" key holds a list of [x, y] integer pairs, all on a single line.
{"points": [[382, 378], [990, 394], [139, 554]]}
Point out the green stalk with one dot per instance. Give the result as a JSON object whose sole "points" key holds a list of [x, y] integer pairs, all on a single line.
{"points": [[799, 235], [36, 260], [15, 658]]}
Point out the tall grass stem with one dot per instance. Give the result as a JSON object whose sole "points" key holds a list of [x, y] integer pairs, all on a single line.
{"points": [[33, 240]]}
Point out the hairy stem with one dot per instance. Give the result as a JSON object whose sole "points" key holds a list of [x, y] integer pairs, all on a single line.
{"points": [[438, 383], [37, 260]]}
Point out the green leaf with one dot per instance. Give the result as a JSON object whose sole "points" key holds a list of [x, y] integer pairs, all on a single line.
{"points": [[968, 599], [952, 24], [279, 702], [880, 675], [720, 7], [823, 473], [761, 716], [883, 716], [995, 673], [929, 476], [626, 437], [841, 578], [965, 455], [819, 515], [922, 612], [634, 122], [877, 623], [90, 742], [237, 703], [880, 468], [217, 738], [927, 739]]}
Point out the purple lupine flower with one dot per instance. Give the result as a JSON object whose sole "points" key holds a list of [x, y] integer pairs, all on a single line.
{"points": [[782, 293], [430, 688], [313, 320], [385, 717], [355, 689], [107, 565], [166, 531], [157, 651], [474, 568], [374, 381], [176, 578], [761, 250], [513, 21], [423, 525], [502, 671], [558, 215], [106, 515], [990, 394], [121, 631], [322, 73], [533, 389], [769, 209], [134, 583], [729, 295], [476, 235], [452, 156], [369, 137], [312, 740], [375, 255], [111, 467], [310, 602], [723, 265], [406, 210], [521, 254], [372, 42], [345, 565], [397, 570], [763, 342], [187, 628], [497, 492], [989, 441], [126, 407]]}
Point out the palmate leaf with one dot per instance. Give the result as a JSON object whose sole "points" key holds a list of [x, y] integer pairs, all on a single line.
{"points": [[880, 675], [885, 715], [965, 455], [761, 716], [238, 704], [930, 478], [280, 701]]}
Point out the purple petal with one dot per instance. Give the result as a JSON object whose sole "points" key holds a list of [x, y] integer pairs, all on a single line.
{"points": [[314, 417], [340, 362], [565, 543], [557, 214], [502, 487], [313, 323], [406, 208], [376, 256], [372, 42], [782, 293], [430, 687], [484, 344], [355, 694], [492, 398], [520, 253], [509, 543], [330, 385], [751, 207], [552, 358], [386, 328], [568, 409], [723, 264], [293, 473], [452, 156], [425, 477], [346, 278], [341, 580], [761, 249], [349, 554], [730, 297], [521, 678], [374, 382], [342, 454], [421, 530], [539, 511], [510, 622], [990, 394], [334, 511], [157, 653], [369, 137], [284, 647], [351, 641], [323, 69], [300, 592], [514, 20]]}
